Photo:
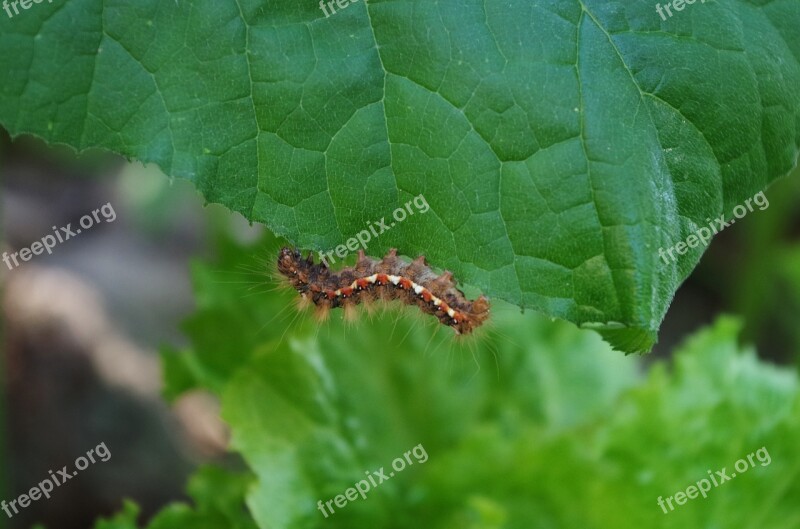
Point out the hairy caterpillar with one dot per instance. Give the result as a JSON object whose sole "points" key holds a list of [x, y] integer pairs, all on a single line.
{"points": [[389, 278]]}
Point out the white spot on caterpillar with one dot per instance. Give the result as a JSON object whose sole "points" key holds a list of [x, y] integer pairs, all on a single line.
{"points": [[372, 278], [394, 279], [417, 289]]}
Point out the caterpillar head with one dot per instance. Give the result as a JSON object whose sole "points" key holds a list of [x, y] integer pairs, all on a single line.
{"points": [[296, 269]]}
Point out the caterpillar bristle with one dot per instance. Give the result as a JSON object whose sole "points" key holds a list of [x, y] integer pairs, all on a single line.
{"points": [[350, 312], [322, 313], [303, 302], [445, 280], [368, 303]]}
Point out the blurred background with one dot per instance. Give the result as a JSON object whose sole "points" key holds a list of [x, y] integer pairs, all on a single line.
{"points": [[82, 327]]}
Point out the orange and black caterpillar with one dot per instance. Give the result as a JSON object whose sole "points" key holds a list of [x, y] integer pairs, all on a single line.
{"points": [[389, 278]]}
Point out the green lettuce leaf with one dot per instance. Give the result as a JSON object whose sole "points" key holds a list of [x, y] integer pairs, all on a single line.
{"points": [[533, 425]]}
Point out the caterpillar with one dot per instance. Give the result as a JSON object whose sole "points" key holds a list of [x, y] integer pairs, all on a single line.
{"points": [[390, 278]]}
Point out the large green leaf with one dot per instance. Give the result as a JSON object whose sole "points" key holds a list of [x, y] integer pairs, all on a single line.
{"points": [[559, 143]]}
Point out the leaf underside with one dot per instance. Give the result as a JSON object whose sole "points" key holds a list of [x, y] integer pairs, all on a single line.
{"points": [[559, 144]]}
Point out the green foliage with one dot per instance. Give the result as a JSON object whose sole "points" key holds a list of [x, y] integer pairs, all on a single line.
{"points": [[552, 430], [559, 144], [219, 499]]}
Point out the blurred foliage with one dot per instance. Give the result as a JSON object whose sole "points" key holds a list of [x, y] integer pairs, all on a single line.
{"points": [[754, 271], [218, 497], [534, 424]]}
